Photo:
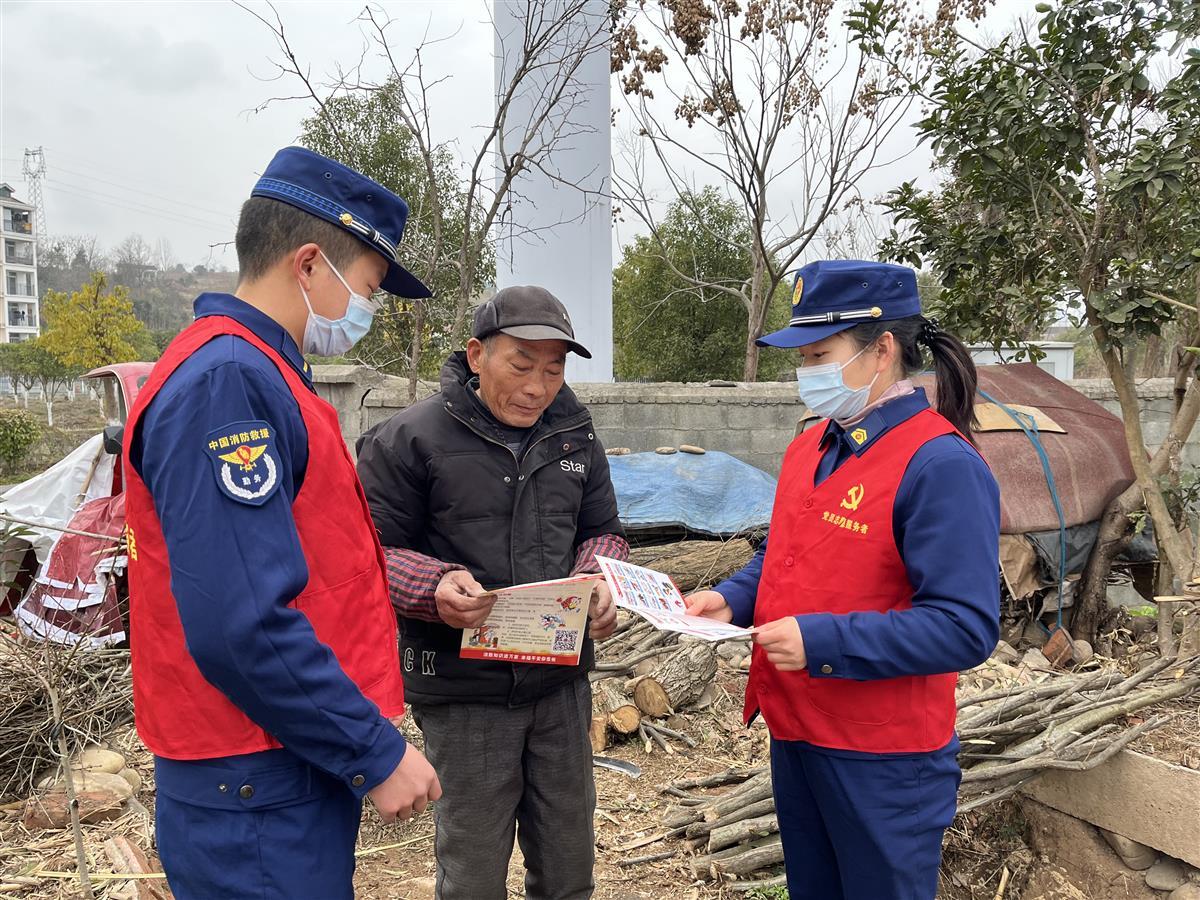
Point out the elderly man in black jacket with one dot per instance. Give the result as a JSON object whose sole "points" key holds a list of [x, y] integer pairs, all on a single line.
{"points": [[498, 480]]}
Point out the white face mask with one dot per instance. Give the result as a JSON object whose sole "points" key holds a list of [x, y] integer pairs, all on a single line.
{"points": [[824, 390], [333, 337]]}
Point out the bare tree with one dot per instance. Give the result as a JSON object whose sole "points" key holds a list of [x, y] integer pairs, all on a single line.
{"points": [[135, 250], [750, 104], [540, 66]]}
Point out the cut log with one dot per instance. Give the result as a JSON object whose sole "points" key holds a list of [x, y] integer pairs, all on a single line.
{"points": [[769, 854], [740, 860], [729, 776], [756, 789], [677, 681], [598, 732], [728, 835], [650, 696], [750, 811], [752, 791], [693, 564], [623, 716]]}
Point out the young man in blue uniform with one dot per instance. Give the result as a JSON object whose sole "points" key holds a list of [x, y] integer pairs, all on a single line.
{"points": [[879, 582], [264, 646]]}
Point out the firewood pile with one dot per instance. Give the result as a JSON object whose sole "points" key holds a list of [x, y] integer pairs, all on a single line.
{"points": [[1013, 724], [644, 676], [55, 700]]}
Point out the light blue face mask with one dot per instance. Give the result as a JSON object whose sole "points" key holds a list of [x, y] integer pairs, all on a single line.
{"points": [[824, 391], [333, 337]]}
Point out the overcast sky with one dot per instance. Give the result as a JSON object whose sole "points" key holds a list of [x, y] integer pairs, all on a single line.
{"points": [[146, 109]]}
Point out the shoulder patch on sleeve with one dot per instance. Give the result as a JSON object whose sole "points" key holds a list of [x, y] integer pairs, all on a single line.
{"points": [[245, 462]]}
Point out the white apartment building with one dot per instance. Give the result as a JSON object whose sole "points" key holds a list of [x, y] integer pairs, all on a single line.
{"points": [[18, 270]]}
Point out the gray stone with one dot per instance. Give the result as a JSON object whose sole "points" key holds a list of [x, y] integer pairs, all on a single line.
{"points": [[1036, 659], [1005, 653], [1166, 874], [1124, 595], [1081, 652], [1185, 892], [1034, 635], [1135, 855], [1010, 633]]}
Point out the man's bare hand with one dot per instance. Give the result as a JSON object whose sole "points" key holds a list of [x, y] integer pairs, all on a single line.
{"points": [[461, 600], [602, 613], [411, 787]]}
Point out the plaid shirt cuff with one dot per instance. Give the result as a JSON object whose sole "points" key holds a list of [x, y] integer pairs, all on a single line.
{"points": [[611, 545], [412, 580]]}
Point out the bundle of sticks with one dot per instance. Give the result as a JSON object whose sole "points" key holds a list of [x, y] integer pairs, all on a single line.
{"points": [[55, 700], [1009, 736]]}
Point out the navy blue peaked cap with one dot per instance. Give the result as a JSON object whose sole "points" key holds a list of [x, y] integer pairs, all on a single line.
{"points": [[836, 294], [336, 193]]}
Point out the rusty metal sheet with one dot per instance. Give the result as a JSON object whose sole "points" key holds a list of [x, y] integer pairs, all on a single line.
{"points": [[1090, 462]]}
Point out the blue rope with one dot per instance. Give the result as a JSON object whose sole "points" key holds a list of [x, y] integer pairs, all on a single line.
{"points": [[1031, 432]]}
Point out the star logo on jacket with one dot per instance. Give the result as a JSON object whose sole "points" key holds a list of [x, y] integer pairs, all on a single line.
{"points": [[854, 497], [859, 436], [244, 461]]}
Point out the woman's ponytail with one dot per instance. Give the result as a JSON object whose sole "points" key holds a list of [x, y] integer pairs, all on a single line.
{"points": [[952, 364], [957, 379]]}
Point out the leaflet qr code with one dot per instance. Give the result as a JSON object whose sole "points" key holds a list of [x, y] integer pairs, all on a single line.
{"points": [[565, 641]]}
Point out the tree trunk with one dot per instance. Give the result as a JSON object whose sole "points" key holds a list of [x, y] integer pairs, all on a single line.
{"points": [[1169, 540], [1113, 536], [414, 356], [756, 314]]}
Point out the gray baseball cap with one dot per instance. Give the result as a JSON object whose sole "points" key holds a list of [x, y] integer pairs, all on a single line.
{"points": [[527, 312]]}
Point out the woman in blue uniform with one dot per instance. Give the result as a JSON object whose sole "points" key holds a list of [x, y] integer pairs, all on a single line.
{"points": [[879, 582]]}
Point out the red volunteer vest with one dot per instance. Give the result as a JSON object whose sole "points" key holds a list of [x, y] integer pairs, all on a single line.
{"points": [[179, 714], [832, 549]]}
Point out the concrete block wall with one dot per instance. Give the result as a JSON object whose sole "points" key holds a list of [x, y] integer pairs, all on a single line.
{"points": [[754, 422]]}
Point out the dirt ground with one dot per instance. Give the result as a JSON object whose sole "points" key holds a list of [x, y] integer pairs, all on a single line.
{"points": [[396, 861]]}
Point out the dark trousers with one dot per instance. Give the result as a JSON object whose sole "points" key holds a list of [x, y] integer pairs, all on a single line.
{"points": [[523, 771], [291, 839], [863, 827]]}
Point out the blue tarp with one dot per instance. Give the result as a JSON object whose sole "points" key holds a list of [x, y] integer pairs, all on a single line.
{"points": [[713, 493]]}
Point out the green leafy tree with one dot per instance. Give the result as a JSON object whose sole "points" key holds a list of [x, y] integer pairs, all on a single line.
{"points": [[92, 326], [13, 367], [364, 131], [671, 320], [19, 431], [45, 369], [1073, 162]]}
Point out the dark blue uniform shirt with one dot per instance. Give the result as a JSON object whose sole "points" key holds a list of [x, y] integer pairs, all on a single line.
{"points": [[946, 523], [235, 567]]}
